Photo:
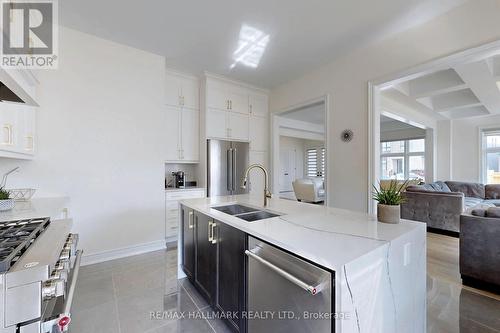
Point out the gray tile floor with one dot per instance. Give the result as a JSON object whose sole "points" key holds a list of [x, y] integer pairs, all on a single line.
{"points": [[120, 296]]}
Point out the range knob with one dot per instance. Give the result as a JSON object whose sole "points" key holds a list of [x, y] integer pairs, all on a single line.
{"points": [[65, 254], [52, 288]]}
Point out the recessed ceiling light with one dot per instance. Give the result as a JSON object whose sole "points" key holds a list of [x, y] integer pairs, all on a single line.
{"points": [[251, 46]]}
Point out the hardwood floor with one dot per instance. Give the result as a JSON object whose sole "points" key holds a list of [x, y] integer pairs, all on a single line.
{"points": [[443, 262]]}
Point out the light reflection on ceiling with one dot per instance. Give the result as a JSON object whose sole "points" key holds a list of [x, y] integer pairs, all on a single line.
{"points": [[251, 46]]}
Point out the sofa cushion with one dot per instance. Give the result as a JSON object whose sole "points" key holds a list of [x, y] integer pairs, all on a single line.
{"points": [[495, 202], [440, 186], [478, 212], [473, 190], [471, 202], [492, 191], [493, 212]]}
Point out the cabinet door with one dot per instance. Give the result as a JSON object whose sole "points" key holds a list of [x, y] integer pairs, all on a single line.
{"points": [[172, 128], [258, 105], [238, 98], [27, 130], [9, 127], [188, 242], [259, 133], [238, 126], [256, 178], [173, 84], [231, 273], [217, 95], [216, 124], [190, 93], [190, 135], [206, 257]]}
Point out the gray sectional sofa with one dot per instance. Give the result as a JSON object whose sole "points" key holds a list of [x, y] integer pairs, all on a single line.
{"points": [[440, 204]]}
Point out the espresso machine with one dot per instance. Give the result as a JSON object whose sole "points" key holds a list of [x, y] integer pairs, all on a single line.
{"points": [[179, 179]]}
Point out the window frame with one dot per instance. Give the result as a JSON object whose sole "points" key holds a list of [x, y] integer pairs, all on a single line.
{"points": [[320, 161], [406, 154], [484, 150]]}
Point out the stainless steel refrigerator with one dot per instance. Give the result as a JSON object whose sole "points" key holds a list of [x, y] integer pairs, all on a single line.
{"points": [[226, 162]]}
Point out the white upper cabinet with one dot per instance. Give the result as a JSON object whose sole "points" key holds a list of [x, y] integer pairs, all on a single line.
{"points": [[238, 126], [216, 124], [17, 130], [259, 133], [182, 91], [182, 95], [190, 135], [229, 112], [258, 105], [172, 128]]}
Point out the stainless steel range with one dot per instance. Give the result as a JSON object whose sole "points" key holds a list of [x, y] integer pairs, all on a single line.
{"points": [[39, 264]]}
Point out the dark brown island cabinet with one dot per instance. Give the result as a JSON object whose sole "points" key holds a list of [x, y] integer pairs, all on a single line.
{"points": [[214, 262]]}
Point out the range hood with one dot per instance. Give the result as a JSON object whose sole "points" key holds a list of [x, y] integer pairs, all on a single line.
{"points": [[6, 95]]}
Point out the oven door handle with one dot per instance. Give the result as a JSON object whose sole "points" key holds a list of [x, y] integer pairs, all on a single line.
{"points": [[298, 282], [72, 286]]}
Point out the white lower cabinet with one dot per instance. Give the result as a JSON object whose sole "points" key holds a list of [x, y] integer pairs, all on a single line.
{"points": [[172, 198]]}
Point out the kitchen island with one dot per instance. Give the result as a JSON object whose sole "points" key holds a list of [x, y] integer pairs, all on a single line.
{"points": [[379, 269]]}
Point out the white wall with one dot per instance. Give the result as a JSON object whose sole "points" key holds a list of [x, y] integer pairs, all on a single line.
{"points": [[345, 80], [466, 146], [101, 141]]}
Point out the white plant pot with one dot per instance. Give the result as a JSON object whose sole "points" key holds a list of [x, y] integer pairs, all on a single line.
{"points": [[6, 205], [388, 213]]}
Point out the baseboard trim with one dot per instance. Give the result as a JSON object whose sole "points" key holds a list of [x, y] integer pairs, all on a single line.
{"points": [[444, 232], [96, 258]]}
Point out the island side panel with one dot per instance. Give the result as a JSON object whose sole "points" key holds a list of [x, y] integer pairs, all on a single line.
{"points": [[384, 291]]}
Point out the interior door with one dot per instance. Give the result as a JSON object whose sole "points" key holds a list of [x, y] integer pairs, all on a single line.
{"points": [[172, 128], [287, 169], [240, 158], [219, 166]]}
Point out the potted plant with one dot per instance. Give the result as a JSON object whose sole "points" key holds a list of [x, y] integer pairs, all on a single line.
{"points": [[389, 199], [6, 203]]}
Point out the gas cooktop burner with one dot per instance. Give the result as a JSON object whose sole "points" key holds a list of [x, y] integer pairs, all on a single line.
{"points": [[16, 237]]}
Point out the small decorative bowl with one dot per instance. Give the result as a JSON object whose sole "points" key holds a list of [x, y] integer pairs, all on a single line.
{"points": [[6, 205]]}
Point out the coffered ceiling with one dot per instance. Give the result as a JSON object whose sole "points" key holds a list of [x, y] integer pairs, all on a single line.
{"points": [[466, 90]]}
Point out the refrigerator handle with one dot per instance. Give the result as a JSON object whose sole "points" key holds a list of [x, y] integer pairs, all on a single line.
{"points": [[233, 168], [229, 169]]}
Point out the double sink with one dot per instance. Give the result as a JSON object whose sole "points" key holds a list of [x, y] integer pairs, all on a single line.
{"points": [[246, 213]]}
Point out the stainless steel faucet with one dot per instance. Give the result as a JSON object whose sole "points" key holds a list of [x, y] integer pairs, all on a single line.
{"points": [[267, 194]]}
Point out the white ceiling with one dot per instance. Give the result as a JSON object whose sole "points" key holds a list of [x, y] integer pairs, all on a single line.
{"points": [[203, 35], [311, 114], [464, 91]]}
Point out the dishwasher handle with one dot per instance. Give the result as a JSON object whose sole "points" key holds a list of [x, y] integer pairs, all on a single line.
{"points": [[298, 282]]}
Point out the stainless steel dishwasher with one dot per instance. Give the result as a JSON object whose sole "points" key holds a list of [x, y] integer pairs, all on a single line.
{"points": [[286, 293]]}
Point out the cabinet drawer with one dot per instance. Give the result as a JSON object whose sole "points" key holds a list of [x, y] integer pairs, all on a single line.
{"points": [[187, 194]]}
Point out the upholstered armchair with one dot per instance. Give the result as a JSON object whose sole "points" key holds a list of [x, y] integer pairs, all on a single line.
{"points": [[309, 189]]}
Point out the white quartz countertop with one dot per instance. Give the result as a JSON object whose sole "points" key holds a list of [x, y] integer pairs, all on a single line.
{"points": [[327, 236], [36, 207]]}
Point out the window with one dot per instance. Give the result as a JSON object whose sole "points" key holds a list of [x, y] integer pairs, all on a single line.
{"points": [[315, 162], [403, 159], [491, 156]]}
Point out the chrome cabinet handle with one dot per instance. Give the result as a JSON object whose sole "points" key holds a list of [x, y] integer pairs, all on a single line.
{"points": [[210, 231], [214, 239], [229, 166], [234, 168], [191, 222], [298, 282]]}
